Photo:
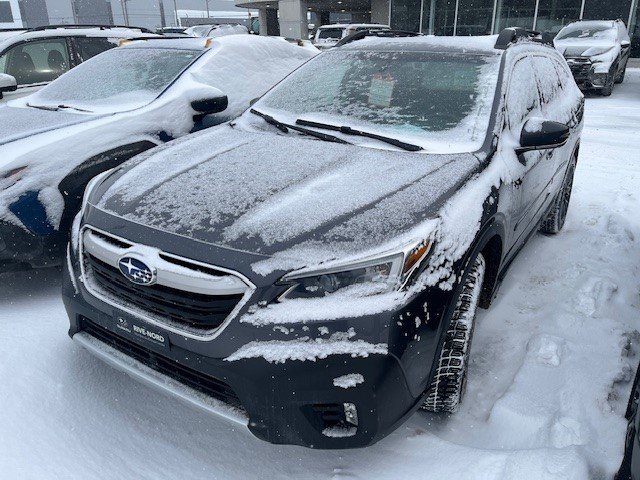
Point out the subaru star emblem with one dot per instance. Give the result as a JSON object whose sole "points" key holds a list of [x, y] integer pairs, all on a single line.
{"points": [[136, 271]]}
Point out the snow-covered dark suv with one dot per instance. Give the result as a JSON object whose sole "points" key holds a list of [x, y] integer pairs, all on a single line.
{"points": [[312, 270]]}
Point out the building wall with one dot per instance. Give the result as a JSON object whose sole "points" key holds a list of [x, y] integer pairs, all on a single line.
{"points": [[10, 15], [34, 13], [92, 12], [481, 17]]}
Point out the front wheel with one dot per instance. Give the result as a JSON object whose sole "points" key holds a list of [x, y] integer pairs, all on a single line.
{"points": [[448, 385], [607, 90], [554, 220]]}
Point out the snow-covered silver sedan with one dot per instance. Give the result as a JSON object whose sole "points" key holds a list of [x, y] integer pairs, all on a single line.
{"points": [[117, 105]]}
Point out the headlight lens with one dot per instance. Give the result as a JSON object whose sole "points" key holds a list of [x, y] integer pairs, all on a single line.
{"points": [[380, 275], [594, 51], [11, 177], [90, 186]]}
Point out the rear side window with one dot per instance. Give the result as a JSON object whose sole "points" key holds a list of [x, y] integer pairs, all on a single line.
{"points": [[90, 47], [522, 97], [334, 33], [548, 80], [36, 62]]}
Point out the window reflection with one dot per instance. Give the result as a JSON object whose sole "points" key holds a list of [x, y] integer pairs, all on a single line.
{"points": [[515, 13], [555, 14]]}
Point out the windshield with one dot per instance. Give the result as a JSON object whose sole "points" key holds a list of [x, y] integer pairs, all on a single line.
{"points": [[117, 80], [439, 101], [587, 31], [333, 33]]}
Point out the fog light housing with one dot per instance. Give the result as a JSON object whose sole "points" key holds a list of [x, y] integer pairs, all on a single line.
{"points": [[599, 79]]}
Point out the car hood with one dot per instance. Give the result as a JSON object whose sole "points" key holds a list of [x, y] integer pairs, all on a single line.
{"points": [[283, 195], [21, 122], [578, 47]]}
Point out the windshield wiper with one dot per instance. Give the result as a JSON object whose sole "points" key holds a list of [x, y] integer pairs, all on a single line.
{"points": [[351, 131], [285, 127], [55, 108]]}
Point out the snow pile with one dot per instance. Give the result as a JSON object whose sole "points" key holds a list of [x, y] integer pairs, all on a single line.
{"points": [[349, 380], [306, 349]]}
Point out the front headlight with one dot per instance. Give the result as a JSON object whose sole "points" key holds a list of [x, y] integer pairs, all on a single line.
{"points": [[382, 274], [89, 189], [595, 51], [10, 178]]}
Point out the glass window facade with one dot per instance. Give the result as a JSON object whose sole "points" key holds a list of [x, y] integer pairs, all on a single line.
{"points": [[478, 17], [555, 14]]}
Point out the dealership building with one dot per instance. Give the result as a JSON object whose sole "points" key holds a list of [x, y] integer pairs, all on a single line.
{"points": [[443, 17]]}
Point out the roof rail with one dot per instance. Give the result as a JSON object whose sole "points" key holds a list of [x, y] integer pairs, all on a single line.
{"points": [[376, 33], [101, 27], [511, 35], [13, 29]]}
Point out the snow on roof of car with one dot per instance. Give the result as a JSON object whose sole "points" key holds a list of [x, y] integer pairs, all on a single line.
{"points": [[180, 43], [477, 44], [118, 32]]}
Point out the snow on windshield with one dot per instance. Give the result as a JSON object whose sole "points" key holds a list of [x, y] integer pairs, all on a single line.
{"points": [[119, 79], [441, 101], [591, 31]]}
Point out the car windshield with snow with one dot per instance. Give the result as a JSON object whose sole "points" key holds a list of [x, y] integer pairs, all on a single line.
{"points": [[597, 52], [314, 267], [108, 109]]}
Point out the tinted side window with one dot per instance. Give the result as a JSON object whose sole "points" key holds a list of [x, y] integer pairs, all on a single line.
{"points": [[90, 47], [37, 62], [522, 97]]}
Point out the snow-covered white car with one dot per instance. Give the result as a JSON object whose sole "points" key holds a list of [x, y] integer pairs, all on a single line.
{"points": [[36, 57], [328, 36], [314, 267], [597, 52], [216, 30], [110, 108]]}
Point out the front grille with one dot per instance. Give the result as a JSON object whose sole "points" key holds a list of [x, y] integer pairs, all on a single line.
{"points": [[580, 68], [187, 376], [196, 311]]}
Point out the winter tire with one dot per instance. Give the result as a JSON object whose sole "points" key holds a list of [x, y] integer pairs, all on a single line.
{"points": [[620, 77], [607, 90], [554, 220], [448, 384]]}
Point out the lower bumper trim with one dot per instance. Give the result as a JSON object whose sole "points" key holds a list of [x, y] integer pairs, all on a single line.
{"points": [[159, 381]]}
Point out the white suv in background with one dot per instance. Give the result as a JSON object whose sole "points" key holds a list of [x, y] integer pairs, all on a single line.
{"points": [[38, 56], [597, 52], [328, 35]]}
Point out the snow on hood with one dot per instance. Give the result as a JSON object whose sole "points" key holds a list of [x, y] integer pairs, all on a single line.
{"points": [[288, 196], [17, 123], [575, 47]]}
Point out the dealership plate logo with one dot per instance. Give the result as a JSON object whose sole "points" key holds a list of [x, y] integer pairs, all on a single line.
{"points": [[137, 271]]}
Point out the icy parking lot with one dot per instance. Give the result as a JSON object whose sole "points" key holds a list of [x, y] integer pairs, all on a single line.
{"points": [[552, 362]]}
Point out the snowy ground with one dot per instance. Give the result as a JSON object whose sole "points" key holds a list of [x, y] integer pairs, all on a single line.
{"points": [[547, 388]]}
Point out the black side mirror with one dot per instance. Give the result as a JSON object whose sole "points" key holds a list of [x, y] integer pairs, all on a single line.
{"points": [[207, 106], [539, 134]]}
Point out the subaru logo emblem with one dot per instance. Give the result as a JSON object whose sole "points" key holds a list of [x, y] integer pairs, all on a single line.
{"points": [[136, 271]]}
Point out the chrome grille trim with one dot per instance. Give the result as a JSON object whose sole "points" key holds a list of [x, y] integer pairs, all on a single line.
{"points": [[199, 280]]}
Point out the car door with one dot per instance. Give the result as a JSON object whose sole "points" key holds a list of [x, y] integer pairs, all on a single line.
{"points": [[522, 104], [34, 63]]}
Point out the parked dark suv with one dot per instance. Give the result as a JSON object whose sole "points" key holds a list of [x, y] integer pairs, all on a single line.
{"points": [[312, 270]]}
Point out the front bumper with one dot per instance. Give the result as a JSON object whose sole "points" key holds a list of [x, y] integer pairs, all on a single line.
{"points": [[295, 402], [588, 75], [20, 249]]}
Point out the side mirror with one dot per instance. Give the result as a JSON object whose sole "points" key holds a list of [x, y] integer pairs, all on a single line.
{"points": [[625, 43], [209, 105], [206, 100], [7, 84], [539, 134]]}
